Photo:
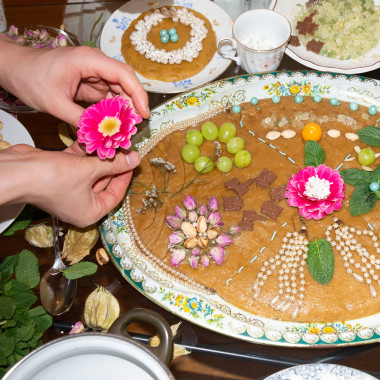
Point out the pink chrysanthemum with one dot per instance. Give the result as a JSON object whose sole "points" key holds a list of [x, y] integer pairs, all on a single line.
{"points": [[107, 125], [316, 191]]}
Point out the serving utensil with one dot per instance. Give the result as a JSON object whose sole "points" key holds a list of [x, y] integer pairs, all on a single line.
{"points": [[57, 293]]}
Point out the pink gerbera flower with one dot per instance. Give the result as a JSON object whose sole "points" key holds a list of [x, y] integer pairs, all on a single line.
{"points": [[107, 125], [316, 191]]}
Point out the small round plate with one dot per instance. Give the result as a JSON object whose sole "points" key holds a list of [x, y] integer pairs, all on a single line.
{"points": [[15, 133], [116, 25], [369, 62], [320, 372]]}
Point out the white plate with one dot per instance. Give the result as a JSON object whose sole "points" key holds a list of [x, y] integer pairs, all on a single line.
{"points": [[209, 310], [110, 41], [15, 133], [369, 62], [320, 372]]}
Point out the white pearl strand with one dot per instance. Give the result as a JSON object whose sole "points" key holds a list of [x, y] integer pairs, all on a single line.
{"points": [[366, 269], [291, 258]]}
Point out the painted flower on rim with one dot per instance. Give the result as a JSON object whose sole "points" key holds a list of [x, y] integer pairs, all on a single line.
{"points": [[316, 191], [108, 125]]}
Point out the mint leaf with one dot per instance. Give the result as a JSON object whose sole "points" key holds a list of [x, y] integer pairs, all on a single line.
{"points": [[320, 260], [362, 200], [7, 344], [8, 266], [314, 154], [78, 270], [356, 176], [27, 269], [22, 221], [7, 308], [24, 300], [370, 135], [37, 311], [43, 322]]}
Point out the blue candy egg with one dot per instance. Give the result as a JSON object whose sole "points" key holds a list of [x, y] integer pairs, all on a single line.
{"points": [[317, 98], [165, 38], [254, 101], [374, 186], [354, 106], [334, 101], [276, 99], [372, 110], [163, 32], [298, 99], [172, 31], [236, 109], [174, 37]]}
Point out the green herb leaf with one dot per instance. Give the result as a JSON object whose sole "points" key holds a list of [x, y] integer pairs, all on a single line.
{"points": [[24, 300], [27, 269], [36, 311], [314, 154], [362, 201], [356, 176], [320, 260], [22, 221], [8, 266], [3, 361], [7, 344], [370, 135], [7, 308], [78, 270], [43, 322]]}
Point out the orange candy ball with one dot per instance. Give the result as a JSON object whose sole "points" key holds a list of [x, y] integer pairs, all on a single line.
{"points": [[311, 131]]}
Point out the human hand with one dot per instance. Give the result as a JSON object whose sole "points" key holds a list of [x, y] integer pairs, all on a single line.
{"points": [[70, 185], [49, 80]]}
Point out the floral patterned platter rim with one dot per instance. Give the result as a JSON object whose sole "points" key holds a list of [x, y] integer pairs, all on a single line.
{"points": [[119, 21], [212, 312], [320, 372], [369, 62]]}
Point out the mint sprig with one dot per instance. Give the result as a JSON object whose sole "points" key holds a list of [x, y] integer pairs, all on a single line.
{"points": [[370, 135], [21, 328], [320, 260], [81, 269], [314, 154]]}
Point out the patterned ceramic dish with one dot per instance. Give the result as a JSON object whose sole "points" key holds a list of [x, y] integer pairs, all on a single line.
{"points": [[210, 311], [370, 61], [320, 372], [110, 42]]}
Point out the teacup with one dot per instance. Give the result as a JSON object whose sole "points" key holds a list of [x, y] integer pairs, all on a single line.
{"points": [[260, 37]]}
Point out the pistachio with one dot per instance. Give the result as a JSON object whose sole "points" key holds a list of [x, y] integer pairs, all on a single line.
{"points": [[102, 256], [288, 133], [351, 136], [203, 242], [190, 243], [188, 229], [357, 148], [202, 224], [334, 133], [213, 232], [101, 309], [273, 135]]}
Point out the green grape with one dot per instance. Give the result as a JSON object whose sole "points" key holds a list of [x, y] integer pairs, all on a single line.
{"points": [[190, 153], [366, 156], [224, 164], [209, 131], [226, 131], [235, 144], [242, 159], [194, 137], [203, 162]]}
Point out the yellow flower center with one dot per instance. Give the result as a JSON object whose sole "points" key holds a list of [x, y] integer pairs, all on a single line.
{"points": [[109, 126]]}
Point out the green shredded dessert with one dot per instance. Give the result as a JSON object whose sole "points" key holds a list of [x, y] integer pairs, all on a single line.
{"points": [[348, 29]]}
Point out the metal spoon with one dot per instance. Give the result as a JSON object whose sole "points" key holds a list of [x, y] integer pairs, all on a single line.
{"points": [[57, 293]]}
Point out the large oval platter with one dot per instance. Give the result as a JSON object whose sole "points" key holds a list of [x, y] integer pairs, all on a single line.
{"points": [[210, 311]]}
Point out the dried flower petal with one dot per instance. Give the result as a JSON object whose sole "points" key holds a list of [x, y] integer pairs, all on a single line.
{"points": [[205, 261], [203, 210], [77, 328], [193, 261], [176, 238], [217, 253], [177, 256], [224, 240], [234, 230]]}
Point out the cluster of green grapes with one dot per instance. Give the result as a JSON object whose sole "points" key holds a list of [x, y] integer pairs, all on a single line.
{"points": [[225, 134]]}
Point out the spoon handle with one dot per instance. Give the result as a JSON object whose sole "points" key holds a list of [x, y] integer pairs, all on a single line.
{"points": [[58, 263]]}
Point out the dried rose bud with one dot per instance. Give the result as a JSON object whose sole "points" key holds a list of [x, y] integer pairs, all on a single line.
{"points": [[176, 238], [196, 251], [193, 217], [28, 34], [223, 240], [213, 204], [234, 230], [61, 40], [177, 256], [19, 39], [43, 36], [77, 328], [190, 203], [214, 218], [202, 210], [173, 222], [180, 212], [193, 261], [12, 31], [217, 253], [205, 261]]}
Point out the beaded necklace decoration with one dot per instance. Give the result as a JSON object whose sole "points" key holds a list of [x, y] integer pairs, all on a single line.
{"points": [[190, 51]]}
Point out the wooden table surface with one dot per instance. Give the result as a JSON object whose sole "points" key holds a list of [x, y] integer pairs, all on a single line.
{"points": [[80, 15]]}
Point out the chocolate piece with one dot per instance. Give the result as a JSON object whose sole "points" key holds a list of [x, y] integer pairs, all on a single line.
{"points": [[252, 215], [242, 188], [278, 193], [307, 26], [232, 204], [314, 46], [246, 225], [265, 178], [294, 41], [272, 209], [232, 183]]}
